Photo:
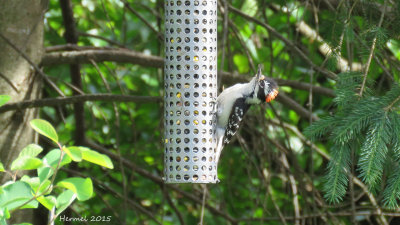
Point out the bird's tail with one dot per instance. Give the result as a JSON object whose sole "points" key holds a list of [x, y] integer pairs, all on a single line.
{"points": [[220, 145]]}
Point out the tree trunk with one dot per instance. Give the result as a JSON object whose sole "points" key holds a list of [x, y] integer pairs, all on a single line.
{"points": [[21, 22]]}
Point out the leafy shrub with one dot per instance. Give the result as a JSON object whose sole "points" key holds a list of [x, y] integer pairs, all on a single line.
{"points": [[29, 192]]}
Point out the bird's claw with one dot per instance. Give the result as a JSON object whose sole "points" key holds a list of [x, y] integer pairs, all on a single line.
{"points": [[214, 102]]}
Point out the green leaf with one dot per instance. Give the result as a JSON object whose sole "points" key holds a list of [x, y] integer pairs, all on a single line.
{"points": [[242, 63], [44, 128], [97, 158], [1, 167], [16, 194], [4, 99], [31, 150], [52, 158], [64, 200], [83, 188], [26, 163], [36, 185], [250, 7], [45, 188], [49, 201], [50, 161], [44, 173], [4, 213], [31, 181], [74, 152]]}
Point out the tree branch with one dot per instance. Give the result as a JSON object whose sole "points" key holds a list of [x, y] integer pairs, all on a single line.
{"points": [[71, 36], [148, 24], [371, 52], [306, 216], [289, 102], [224, 39], [128, 56], [333, 5], [306, 87], [323, 71], [325, 49], [109, 189], [101, 38], [172, 204], [387, 108], [78, 98], [38, 70], [85, 55], [71, 47], [159, 181], [101, 55]]}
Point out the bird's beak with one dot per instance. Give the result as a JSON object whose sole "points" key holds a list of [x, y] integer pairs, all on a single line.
{"points": [[272, 95], [259, 73]]}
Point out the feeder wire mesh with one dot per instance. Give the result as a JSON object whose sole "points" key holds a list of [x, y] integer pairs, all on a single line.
{"points": [[190, 88]]}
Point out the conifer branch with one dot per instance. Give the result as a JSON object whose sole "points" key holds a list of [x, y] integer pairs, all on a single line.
{"points": [[371, 53], [337, 176], [392, 104], [392, 192], [374, 152]]}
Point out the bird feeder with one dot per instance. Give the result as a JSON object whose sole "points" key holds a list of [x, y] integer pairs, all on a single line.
{"points": [[190, 91]]}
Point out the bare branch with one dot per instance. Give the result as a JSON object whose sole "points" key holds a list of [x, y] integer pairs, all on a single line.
{"points": [[371, 52], [9, 82], [85, 55], [325, 49], [127, 56], [38, 70], [323, 71], [101, 55], [293, 185], [338, 214], [159, 181], [159, 34], [289, 102], [203, 203], [78, 98], [71, 36], [173, 206], [114, 192], [224, 39], [101, 38], [71, 47], [306, 87]]}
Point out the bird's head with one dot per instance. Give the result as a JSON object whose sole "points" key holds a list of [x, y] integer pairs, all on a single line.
{"points": [[268, 89]]}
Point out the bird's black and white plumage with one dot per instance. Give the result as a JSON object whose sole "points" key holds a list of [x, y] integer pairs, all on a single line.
{"points": [[233, 103]]}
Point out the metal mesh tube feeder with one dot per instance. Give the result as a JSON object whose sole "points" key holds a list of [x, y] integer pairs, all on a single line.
{"points": [[190, 84]]}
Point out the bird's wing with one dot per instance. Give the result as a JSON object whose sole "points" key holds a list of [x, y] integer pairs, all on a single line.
{"points": [[239, 109]]}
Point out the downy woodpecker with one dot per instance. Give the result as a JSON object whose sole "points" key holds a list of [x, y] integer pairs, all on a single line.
{"points": [[233, 103]]}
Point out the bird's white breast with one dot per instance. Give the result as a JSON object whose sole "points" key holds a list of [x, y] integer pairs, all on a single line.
{"points": [[228, 97]]}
